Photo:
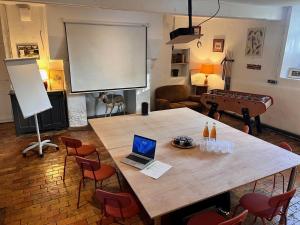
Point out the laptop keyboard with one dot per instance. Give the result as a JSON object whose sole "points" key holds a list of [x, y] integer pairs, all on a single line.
{"points": [[138, 159]]}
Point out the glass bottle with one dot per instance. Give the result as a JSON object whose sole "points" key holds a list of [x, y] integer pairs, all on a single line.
{"points": [[213, 132], [206, 131]]}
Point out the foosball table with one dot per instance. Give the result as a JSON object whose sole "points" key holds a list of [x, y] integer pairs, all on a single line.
{"points": [[246, 104]]}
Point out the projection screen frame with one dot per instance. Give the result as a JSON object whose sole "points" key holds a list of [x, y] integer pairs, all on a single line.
{"points": [[107, 24]]}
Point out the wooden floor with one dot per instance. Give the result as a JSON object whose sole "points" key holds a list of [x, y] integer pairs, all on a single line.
{"points": [[32, 190]]}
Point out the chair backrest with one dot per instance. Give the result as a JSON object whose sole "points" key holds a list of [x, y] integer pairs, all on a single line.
{"points": [[286, 146], [281, 201], [87, 164], [71, 142], [116, 200], [237, 220], [246, 129]]}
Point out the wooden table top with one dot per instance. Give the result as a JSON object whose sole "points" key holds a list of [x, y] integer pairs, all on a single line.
{"points": [[195, 175]]}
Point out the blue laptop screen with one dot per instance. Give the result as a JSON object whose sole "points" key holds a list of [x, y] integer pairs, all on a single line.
{"points": [[144, 146]]}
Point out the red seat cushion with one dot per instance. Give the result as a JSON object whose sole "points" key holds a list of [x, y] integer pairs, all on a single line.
{"points": [[206, 218], [257, 204], [84, 150], [104, 172], [130, 211]]}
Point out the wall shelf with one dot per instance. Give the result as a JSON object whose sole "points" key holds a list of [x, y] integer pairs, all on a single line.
{"points": [[180, 62]]}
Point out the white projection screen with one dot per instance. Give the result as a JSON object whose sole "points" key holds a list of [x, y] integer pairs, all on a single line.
{"points": [[106, 57]]}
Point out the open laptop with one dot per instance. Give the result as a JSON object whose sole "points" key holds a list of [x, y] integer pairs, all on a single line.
{"points": [[143, 151]]}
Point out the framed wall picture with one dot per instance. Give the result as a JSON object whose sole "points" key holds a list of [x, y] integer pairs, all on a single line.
{"points": [[255, 41], [218, 45], [28, 51]]}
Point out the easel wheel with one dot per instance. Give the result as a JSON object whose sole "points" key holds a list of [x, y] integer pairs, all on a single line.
{"points": [[41, 155], [24, 155]]}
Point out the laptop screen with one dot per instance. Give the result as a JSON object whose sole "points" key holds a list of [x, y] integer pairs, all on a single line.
{"points": [[144, 146]]}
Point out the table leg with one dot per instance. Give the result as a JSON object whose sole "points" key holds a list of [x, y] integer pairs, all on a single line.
{"points": [[290, 187], [258, 124], [247, 119], [157, 220], [224, 203]]}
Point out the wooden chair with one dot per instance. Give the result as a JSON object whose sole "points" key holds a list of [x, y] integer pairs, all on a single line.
{"points": [[287, 147], [266, 208], [94, 170], [213, 218], [74, 147], [117, 205]]}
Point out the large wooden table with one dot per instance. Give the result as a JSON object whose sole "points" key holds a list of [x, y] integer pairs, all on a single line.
{"points": [[195, 175]]}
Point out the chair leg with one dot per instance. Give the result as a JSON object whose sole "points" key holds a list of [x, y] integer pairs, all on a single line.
{"points": [[283, 182], [118, 222], [98, 155], [83, 182], [235, 210], [274, 184], [79, 189], [119, 180], [285, 219], [263, 221], [255, 183], [65, 165], [254, 221], [95, 185]]}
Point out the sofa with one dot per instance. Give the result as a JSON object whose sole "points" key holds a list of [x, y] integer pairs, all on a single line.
{"points": [[176, 96]]}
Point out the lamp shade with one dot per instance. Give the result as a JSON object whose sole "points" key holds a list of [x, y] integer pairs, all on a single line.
{"points": [[207, 69]]}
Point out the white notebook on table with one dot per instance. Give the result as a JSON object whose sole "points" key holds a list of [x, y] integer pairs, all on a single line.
{"points": [[156, 169]]}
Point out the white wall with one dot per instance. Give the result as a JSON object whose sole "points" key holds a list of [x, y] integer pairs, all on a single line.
{"points": [[16, 32], [5, 109], [162, 71], [284, 113], [58, 48], [34, 31]]}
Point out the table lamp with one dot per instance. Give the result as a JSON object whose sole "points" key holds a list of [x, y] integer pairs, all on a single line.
{"points": [[207, 69]]}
